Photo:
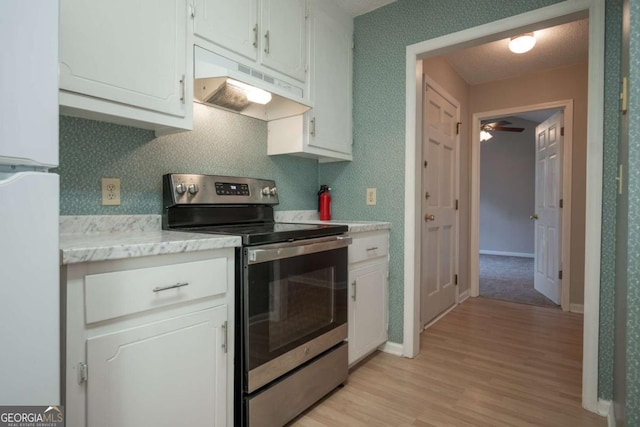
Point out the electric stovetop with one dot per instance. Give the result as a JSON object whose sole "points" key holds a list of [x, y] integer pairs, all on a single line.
{"points": [[262, 233]]}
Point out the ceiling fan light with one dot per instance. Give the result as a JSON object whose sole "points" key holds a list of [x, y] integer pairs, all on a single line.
{"points": [[484, 135], [522, 43]]}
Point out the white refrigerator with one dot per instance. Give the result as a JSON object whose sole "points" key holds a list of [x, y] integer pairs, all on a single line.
{"points": [[29, 204]]}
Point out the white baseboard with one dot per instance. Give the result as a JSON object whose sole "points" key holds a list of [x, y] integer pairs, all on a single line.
{"points": [[605, 408], [463, 296], [394, 348], [576, 308], [503, 253]]}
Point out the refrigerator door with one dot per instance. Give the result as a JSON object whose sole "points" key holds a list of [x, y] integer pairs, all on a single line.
{"points": [[29, 82], [29, 289]]}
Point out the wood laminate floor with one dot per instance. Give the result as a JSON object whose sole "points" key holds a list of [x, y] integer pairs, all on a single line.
{"points": [[487, 363]]}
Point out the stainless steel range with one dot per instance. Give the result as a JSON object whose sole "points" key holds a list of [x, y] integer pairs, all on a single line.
{"points": [[291, 293]]}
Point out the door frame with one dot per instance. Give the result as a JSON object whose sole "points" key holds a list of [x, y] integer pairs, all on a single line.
{"points": [[567, 153], [428, 81], [556, 14]]}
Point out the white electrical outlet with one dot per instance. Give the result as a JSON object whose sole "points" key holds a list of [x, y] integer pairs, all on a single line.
{"points": [[111, 191], [371, 196]]}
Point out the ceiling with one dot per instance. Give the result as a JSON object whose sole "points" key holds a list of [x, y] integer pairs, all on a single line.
{"points": [[558, 46], [360, 7]]}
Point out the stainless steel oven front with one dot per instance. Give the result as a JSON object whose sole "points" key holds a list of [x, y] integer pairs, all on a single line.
{"points": [[295, 309]]}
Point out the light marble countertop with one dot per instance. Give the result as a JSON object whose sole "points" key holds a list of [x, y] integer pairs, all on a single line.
{"points": [[354, 226], [311, 217], [102, 238], [109, 237]]}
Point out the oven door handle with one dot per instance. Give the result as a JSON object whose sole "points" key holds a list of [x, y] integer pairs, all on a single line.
{"points": [[293, 249]]}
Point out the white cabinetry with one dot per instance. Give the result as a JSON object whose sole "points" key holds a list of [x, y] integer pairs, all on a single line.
{"points": [[368, 293], [325, 131], [271, 33], [126, 62], [149, 341]]}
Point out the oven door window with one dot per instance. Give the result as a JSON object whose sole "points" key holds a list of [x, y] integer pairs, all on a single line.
{"points": [[293, 300]]}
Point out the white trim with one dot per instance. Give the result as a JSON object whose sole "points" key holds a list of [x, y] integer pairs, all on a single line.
{"points": [[474, 230], [463, 296], [605, 408], [576, 308], [547, 16], [391, 348], [503, 253]]}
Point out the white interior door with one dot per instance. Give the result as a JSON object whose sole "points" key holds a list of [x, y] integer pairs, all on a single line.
{"points": [[440, 220], [548, 214]]}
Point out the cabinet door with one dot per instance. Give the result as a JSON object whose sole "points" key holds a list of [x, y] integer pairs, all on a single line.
{"points": [[169, 373], [230, 24], [283, 37], [330, 62], [367, 309], [132, 53]]}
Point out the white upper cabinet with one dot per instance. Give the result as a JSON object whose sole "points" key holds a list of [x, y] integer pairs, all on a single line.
{"points": [[331, 61], [119, 56], [230, 24], [325, 131], [284, 36], [270, 33]]}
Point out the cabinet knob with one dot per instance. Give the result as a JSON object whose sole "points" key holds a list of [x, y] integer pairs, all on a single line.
{"points": [[429, 217]]}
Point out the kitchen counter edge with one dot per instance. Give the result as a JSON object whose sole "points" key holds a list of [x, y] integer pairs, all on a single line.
{"points": [[80, 247]]}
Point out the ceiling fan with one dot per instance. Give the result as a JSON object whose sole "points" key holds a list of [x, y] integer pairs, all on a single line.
{"points": [[499, 126]]}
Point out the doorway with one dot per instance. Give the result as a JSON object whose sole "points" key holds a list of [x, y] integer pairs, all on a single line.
{"points": [[520, 221], [548, 16]]}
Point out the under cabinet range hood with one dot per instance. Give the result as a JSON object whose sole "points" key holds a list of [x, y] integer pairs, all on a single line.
{"points": [[223, 83]]}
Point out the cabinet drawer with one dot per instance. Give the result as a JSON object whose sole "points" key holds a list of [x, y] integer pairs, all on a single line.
{"points": [[368, 245], [115, 294]]}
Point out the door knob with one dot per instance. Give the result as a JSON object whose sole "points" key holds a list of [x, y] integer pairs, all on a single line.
{"points": [[533, 217], [429, 217]]}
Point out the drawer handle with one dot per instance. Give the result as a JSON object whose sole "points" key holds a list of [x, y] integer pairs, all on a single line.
{"points": [[165, 288], [375, 248]]}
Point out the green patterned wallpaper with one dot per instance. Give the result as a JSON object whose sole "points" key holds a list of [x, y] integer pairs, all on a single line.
{"points": [[381, 37], [221, 143], [633, 243], [613, 19]]}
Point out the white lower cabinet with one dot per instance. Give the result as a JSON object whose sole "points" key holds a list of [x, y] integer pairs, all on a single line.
{"points": [[368, 293], [158, 348]]}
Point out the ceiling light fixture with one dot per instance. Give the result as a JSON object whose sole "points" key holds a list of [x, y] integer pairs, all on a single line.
{"points": [[522, 43]]}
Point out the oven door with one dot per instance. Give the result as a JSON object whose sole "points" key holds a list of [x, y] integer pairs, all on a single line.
{"points": [[295, 299]]}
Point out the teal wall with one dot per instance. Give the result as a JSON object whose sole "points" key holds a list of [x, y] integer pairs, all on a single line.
{"points": [[381, 38], [613, 19], [221, 143], [633, 243]]}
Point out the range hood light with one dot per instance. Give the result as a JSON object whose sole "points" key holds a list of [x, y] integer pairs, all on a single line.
{"points": [[254, 94]]}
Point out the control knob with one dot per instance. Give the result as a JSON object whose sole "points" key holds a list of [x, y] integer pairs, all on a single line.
{"points": [[193, 188], [266, 191], [181, 188], [273, 191]]}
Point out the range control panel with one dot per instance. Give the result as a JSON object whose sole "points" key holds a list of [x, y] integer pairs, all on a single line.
{"points": [[228, 189], [189, 189]]}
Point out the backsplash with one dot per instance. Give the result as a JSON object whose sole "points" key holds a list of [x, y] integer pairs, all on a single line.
{"points": [[221, 143]]}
